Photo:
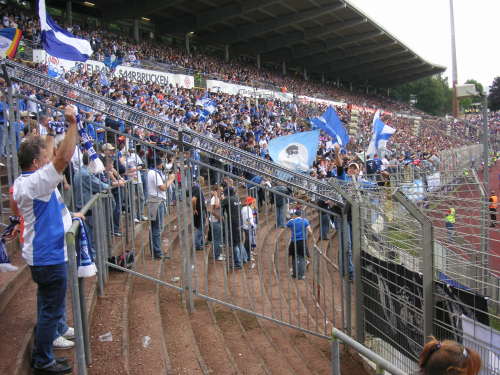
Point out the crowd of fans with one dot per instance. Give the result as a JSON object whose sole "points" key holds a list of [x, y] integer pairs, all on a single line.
{"points": [[246, 123]]}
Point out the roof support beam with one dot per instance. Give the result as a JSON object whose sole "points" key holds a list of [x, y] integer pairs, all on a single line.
{"points": [[137, 9], [406, 67], [366, 65], [210, 17], [407, 79], [330, 44], [295, 37], [345, 55], [246, 32], [410, 75]]}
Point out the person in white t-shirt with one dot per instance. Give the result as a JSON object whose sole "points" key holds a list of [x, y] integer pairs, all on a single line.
{"points": [[214, 210], [249, 226], [46, 221], [157, 186], [133, 166]]}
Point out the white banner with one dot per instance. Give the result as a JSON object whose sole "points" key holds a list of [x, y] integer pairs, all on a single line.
{"points": [[132, 74], [434, 181], [246, 91], [308, 99]]}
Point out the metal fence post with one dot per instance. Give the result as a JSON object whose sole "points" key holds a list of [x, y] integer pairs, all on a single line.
{"points": [[75, 296], [335, 356], [356, 258], [428, 260], [185, 244]]}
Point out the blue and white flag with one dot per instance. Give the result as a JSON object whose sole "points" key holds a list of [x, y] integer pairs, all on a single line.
{"points": [[59, 42], [53, 71], [208, 105], [331, 124], [380, 136], [112, 62], [296, 151], [103, 79]]}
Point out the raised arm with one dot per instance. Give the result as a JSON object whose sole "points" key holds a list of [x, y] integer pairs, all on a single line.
{"points": [[67, 147]]}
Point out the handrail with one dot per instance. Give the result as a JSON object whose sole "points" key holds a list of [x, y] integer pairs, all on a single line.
{"points": [[215, 148], [82, 349], [381, 363]]}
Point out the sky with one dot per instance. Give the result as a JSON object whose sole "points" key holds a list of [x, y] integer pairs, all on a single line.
{"points": [[424, 27]]}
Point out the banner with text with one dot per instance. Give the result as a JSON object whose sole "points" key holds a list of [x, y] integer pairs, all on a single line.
{"points": [[247, 91], [62, 66]]}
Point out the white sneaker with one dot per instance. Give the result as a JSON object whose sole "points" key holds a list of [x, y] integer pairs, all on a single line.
{"points": [[69, 334], [221, 258], [62, 343]]}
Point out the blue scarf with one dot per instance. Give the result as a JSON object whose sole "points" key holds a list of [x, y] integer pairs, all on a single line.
{"points": [[85, 263]]}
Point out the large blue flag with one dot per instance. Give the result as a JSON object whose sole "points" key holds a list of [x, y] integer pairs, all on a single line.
{"points": [[380, 136], [331, 124], [59, 42], [296, 151]]}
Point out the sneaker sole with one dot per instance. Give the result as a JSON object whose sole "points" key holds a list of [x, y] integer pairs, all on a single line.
{"points": [[62, 347], [45, 372]]}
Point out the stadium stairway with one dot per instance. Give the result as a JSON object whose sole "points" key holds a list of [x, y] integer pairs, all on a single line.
{"points": [[213, 339]]}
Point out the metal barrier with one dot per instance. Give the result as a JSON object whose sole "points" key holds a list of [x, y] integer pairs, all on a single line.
{"points": [[420, 277], [384, 238]]}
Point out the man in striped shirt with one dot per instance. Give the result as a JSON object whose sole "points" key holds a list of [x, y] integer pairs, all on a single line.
{"points": [[46, 220]]}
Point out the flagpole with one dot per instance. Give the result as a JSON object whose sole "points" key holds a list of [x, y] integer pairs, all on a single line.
{"points": [[454, 61]]}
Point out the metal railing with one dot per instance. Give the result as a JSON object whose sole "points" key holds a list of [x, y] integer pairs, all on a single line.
{"points": [[378, 228]]}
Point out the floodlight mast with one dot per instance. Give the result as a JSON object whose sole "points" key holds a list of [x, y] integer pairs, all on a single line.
{"points": [[454, 62]]}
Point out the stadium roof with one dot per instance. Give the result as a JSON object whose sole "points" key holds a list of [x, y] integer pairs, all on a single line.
{"points": [[323, 36]]}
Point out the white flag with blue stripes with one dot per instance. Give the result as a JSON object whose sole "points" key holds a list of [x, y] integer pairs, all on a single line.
{"points": [[380, 136], [60, 43]]}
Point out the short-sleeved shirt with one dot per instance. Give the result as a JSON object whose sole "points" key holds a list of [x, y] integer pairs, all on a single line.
{"points": [[155, 179], [46, 217], [298, 227]]}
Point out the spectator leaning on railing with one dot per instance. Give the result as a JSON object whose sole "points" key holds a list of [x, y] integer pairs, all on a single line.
{"points": [[46, 220]]}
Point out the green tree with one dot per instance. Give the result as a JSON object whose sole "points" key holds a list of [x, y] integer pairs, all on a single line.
{"points": [[467, 102], [494, 96], [433, 94]]}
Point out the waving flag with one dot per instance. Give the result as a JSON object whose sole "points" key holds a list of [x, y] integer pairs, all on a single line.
{"points": [[59, 42], [331, 124], [9, 40], [296, 151], [112, 62], [380, 136], [208, 105]]}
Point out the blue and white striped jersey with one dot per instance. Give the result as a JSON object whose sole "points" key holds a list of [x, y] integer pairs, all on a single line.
{"points": [[46, 218]]}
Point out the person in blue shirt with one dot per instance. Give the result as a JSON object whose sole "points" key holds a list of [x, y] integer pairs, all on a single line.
{"points": [[299, 228]]}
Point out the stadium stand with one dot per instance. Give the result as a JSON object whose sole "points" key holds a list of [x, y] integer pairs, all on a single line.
{"points": [[215, 338]]}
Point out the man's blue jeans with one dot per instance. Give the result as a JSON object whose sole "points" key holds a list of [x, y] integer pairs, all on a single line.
{"points": [[51, 305], [325, 225], [216, 229], [156, 230], [280, 216], [199, 234], [239, 255], [117, 209]]}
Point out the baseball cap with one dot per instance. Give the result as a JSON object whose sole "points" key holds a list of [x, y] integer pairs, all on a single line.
{"points": [[107, 147]]}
